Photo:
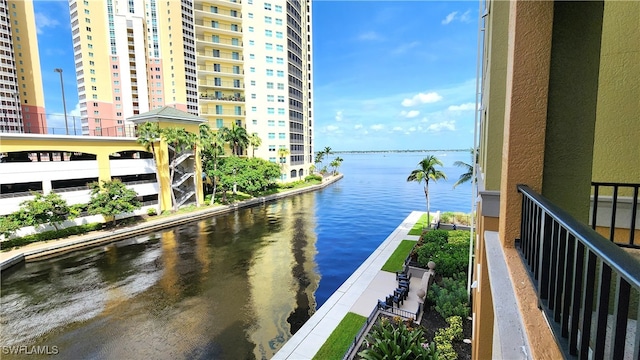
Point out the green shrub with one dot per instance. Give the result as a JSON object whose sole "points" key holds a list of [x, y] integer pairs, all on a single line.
{"points": [[444, 338], [450, 297], [49, 235], [397, 340], [446, 217], [313, 177], [449, 250], [152, 212]]}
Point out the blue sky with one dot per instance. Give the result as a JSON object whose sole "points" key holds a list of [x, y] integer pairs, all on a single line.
{"points": [[387, 75]]}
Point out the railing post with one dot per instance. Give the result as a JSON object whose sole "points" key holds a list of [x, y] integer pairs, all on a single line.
{"points": [[594, 217]]}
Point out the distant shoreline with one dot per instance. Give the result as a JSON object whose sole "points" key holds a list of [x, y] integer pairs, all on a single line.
{"points": [[392, 151]]}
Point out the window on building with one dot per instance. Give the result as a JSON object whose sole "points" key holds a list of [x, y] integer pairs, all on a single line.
{"points": [[279, 48], [280, 86], [267, 19], [271, 122], [269, 85], [268, 46], [280, 73], [219, 123], [270, 111], [269, 59], [278, 21], [270, 98], [268, 33], [279, 34], [272, 136], [278, 8], [267, 6], [269, 72], [282, 136]]}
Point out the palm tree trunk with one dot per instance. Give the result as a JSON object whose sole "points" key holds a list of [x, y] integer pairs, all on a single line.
{"points": [[426, 194]]}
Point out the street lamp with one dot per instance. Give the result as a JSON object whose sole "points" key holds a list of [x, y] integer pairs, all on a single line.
{"points": [[64, 104]]}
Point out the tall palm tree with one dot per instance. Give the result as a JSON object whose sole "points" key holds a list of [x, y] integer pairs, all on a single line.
{"points": [[180, 140], [427, 171], [255, 142], [327, 151], [282, 153], [237, 138], [148, 134], [338, 162], [468, 174]]}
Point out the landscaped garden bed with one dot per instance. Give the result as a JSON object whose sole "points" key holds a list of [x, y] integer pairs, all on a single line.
{"points": [[445, 323]]}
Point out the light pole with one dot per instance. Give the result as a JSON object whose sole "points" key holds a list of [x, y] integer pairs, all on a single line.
{"points": [[64, 104]]}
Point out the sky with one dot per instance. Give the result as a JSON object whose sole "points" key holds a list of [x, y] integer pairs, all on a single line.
{"points": [[387, 75]]}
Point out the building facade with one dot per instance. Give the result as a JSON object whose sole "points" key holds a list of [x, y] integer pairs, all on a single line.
{"points": [[21, 92], [558, 121], [235, 63]]}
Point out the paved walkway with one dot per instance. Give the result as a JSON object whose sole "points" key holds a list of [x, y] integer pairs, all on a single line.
{"points": [[358, 294], [56, 247]]}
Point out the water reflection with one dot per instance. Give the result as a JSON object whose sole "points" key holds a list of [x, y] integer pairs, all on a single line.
{"points": [[231, 287]]}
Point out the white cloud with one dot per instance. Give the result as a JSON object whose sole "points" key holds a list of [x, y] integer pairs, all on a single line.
{"points": [[377, 127], [464, 17], [422, 98], [369, 36], [339, 115], [332, 128], [43, 21], [449, 18], [445, 125], [357, 126], [397, 128], [462, 107], [403, 48], [410, 114]]}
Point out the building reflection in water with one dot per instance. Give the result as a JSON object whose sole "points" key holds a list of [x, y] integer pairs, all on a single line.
{"points": [[231, 287], [282, 275]]}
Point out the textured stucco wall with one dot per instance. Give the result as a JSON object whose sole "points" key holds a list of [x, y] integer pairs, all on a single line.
{"points": [[616, 155], [496, 76], [530, 25], [571, 116]]}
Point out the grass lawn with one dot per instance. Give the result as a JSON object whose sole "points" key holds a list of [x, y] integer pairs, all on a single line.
{"points": [[341, 337], [419, 225], [396, 260]]}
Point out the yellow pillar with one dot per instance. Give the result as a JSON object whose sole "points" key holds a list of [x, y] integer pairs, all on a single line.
{"points": [[104, 167], [528, 61]]}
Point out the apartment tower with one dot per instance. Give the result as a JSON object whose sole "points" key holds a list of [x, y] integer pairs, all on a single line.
{"points": [[240, 63], [21, 92]]}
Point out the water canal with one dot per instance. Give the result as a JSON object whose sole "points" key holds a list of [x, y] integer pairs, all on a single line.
{"points": [[230, 287]]}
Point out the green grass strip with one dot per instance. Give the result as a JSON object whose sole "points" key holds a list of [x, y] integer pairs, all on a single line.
{"points": [[419, 225], [341, 337], [396, 260]]}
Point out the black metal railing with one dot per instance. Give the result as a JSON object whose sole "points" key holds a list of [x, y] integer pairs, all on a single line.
{"points": [[615, 203], [363, 331], [587, 286]]}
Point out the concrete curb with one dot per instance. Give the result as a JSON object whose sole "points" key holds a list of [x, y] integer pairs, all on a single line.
{"points": [[45, 250]]}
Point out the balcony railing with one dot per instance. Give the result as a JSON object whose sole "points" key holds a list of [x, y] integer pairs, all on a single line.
{"points": [[587, 286], [627, 205]]}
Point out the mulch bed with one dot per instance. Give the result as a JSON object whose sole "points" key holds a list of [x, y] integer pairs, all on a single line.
{"points": [[432, 322]]}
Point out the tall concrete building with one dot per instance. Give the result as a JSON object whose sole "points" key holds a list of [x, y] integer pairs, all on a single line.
{"points": [[236, 63], [21, 93]]}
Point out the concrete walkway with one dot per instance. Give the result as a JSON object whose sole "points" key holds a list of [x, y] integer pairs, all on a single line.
{"points": [[359, 294], [46, 249]]}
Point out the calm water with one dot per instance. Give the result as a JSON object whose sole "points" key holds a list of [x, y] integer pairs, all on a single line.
{"points": [[230, 287]]}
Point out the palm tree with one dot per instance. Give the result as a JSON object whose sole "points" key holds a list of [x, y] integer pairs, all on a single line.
{"points": [[255, 142], [468, 175], [211, 147], [335, 164], [427, 171], [327, 151], [237, 138], [282, 153], [180, 140], [148, 134]]}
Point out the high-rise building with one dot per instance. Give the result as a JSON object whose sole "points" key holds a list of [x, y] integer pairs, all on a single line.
{"points": [[236, 63], [21, 93]]}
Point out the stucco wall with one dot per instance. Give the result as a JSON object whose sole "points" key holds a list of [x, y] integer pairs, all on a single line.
{"points": [[616, 155]]}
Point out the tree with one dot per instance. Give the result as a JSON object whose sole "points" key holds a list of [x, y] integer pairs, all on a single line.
{"points": [[45, 209], [427, 171], [327, 151], [111, 199], [255, 142], [468, 174], [251, 175], [282, 153], [148, 134], [318, 159], [335, 164], [180, 140], [211, 147], [237, 138]]}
